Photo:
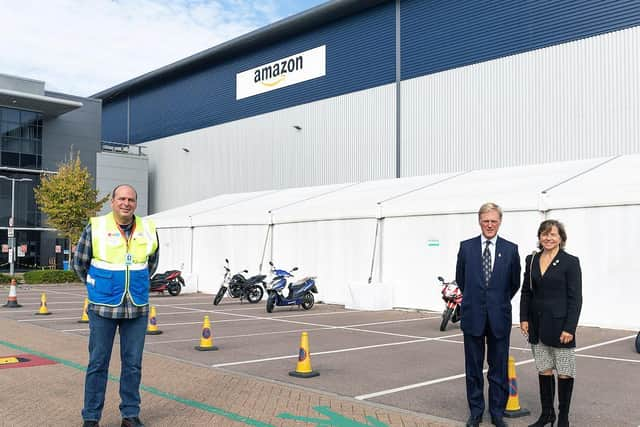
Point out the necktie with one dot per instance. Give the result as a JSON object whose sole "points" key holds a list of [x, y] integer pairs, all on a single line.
{"points": [[486, 263]]}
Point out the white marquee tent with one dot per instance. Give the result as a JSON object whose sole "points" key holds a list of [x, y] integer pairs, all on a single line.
{"points": [[383, 243]]}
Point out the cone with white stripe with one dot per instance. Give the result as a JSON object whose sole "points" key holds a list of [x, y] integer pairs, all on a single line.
{"points": [[12, 301]]}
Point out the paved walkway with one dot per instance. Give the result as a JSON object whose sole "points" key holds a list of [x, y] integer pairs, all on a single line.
{"points": [[174, 393]]}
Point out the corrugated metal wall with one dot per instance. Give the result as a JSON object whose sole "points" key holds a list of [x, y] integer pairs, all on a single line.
{"points": [[440, 35], [572, 101], [348, 138], [358, 57]]}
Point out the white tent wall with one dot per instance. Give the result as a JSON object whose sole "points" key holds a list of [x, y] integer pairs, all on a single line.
{"points": [[411, 265], [337, 252], [606, 241], [175, 254], [242, 245]]}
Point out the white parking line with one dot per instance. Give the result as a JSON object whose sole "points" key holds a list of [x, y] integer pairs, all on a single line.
{"points": [[343, 350], [440, 380], [615, 359]]}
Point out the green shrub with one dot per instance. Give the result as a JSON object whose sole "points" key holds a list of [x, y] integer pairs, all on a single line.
{"points": [[5, 278], [50, 276]]}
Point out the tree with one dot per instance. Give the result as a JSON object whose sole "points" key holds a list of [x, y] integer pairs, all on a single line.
{"points": [[68, 199]]}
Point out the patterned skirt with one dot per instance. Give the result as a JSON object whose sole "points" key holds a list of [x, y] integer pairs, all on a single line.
{"points": [[562, 360]]}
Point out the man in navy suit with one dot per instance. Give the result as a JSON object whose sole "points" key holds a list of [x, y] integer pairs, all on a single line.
{"points": [[488, 274]]}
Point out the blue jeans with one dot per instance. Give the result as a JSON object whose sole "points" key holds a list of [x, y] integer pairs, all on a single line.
{"points": [[102, 333]]}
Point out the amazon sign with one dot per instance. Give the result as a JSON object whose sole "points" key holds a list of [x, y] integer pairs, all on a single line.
{"points": [[284, 72]]}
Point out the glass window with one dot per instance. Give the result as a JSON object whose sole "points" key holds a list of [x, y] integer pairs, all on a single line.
{"points": [[21, 138]]}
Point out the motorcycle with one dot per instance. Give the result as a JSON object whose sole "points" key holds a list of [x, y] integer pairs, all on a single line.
{"points": [[238, 286], [299, 293], [638, 342], [452, 297], [170, 281]]}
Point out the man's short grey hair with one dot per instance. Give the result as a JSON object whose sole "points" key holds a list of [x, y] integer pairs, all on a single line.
{"points": [[490, 206], [113, 193]]}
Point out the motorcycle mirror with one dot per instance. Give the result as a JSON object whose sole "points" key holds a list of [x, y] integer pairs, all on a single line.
{"points": [[271, 263], [440, 278], [294, 269], [246, 271]]}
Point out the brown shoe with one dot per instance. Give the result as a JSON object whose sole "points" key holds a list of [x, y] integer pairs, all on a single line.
{"points": [[131, 422]]}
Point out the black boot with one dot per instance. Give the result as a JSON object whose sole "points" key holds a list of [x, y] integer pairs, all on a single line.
{"points": [[565, 388], [547, 392]]}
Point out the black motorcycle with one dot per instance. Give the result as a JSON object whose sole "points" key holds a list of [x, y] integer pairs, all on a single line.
{"points": [[239, 286]]}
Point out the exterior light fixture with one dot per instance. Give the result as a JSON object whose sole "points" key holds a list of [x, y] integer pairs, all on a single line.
{"points": [[185, 149], [297, 127]]}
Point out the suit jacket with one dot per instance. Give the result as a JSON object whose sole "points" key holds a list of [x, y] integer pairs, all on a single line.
{"points": [[554, 302], [491, 303]]}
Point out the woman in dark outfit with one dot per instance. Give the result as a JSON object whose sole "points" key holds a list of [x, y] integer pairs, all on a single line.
{"points": [[550, 303]]}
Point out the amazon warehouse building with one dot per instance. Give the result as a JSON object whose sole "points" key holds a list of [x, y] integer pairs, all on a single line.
{"points": [[357, 140]]}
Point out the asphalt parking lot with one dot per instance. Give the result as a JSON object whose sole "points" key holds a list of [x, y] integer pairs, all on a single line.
{"points": [[394, 358]]}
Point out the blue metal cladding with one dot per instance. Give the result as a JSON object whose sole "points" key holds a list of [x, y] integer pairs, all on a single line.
{"points": [[437, 35], [360, 55], [114, 120]]}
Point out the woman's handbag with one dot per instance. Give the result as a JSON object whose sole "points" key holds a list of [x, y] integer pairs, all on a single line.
{"points": [[638, 343]]}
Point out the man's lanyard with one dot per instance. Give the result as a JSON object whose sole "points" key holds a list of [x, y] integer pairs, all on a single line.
{"points": [[128, 257]]}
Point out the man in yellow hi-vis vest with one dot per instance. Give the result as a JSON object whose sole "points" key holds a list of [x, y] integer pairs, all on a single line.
{"points": [[115, 256]]}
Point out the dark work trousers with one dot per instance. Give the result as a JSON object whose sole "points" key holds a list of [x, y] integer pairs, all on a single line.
{"points": [[497, 359]]}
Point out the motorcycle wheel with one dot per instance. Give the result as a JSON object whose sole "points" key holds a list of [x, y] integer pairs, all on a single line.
{"points": [[254, 294], [307, 301], [219, 295], [271, 302], [174, 288], [446, 315]]}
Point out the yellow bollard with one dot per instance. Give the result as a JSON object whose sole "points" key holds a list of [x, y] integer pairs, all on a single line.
{"points": [[85, 314], [44, 311], [152, 328], [303, 368], [513, 409], [206, 338]]}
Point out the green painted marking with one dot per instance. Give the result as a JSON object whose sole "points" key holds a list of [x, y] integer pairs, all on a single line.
{"points": [[433, 243], [333, 419], [152, 390]]}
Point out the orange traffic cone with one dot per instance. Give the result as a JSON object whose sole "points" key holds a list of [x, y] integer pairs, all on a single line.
{"points": [[44, 311], [85, 313], [303, 368], [152, 328], [12, 301], [513, 409], [206, 340]]}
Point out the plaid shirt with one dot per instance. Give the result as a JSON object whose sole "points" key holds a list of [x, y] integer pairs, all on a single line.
{"points": [[81, 263]]}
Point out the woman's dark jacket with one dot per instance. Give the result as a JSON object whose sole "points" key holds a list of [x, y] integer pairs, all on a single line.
{"points": [[551, 302]]}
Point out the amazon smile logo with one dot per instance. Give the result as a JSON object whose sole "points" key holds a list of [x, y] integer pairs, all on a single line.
{"points": [[273, 74], [291, 70]]}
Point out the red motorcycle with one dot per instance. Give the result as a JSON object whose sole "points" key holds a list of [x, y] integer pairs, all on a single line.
{"points": [[170, 281], [452, 297]]}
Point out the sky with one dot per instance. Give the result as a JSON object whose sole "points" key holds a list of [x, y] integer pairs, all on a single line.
{"points": [[82, 47]]}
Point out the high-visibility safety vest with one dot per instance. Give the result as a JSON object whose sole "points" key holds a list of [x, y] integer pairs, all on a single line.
{"points": [[119, 264]]}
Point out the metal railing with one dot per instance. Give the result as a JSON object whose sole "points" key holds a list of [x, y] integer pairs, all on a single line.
{"points": [[122, 148]]}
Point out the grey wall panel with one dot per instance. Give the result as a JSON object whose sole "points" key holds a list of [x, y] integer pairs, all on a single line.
{"points": [[572, 101], [78, 129], [342, 139], [115, 169]]}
